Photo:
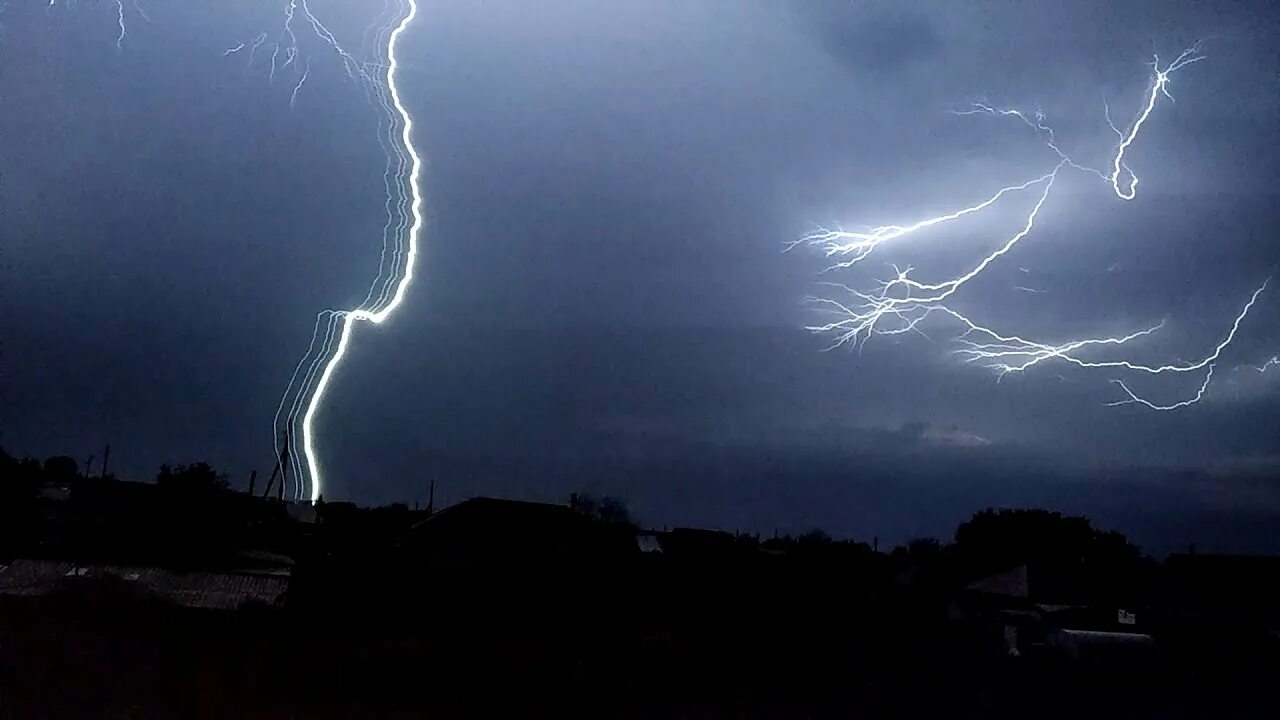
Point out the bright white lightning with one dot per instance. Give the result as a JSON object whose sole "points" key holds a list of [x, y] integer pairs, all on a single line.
{"points": [[860, 321], [1274, 360], [860, 244], [1159, 86], [120, 19], [293, 97], [906, 303], [332, 334], [1173, 406], [402, 209], [1037, 353]]}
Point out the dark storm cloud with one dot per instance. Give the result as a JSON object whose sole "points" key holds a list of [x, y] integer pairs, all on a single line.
{"points": [[603, 301], [875, 37]]}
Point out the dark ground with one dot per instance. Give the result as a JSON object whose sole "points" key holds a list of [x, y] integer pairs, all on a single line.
{"points": [[525, 646], [494, 608]]}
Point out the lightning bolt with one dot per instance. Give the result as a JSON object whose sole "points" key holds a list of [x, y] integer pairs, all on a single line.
{"points": [[293, 97], [1174, 406], [333, 330], [902, 304], [1160, 86], [121, 21], [376, 317]]}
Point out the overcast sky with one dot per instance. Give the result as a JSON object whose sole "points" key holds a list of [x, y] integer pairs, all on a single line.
{"points": [[604, 303]]}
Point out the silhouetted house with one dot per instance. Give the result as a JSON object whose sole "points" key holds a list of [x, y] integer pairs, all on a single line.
{"points": [[490, 533], [55, 492], [1011, 583], [303, 512], [1006, 614], [207, 590], [648, 543], [996, 614], [708, 549]]}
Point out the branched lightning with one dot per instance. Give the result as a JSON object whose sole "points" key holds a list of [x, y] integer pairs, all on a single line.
{"points": [[331, 336], [1135, 399], [333, 329], [1271, 362], [1159, 86], [902, 304]]}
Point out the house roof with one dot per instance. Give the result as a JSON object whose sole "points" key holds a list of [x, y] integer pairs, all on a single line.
{"points": [[1011, 583], [221, 591], [496, 515]]}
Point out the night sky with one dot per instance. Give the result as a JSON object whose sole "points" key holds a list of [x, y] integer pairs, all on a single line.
{"points": [[605, 303]]}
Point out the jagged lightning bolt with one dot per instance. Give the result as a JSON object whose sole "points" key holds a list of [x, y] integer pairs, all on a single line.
{"points": [[1036, 353], [334, 328], [332, 331], [905, 303], [121, 21], [1159, 86], [1132, 399], [293, 97]]}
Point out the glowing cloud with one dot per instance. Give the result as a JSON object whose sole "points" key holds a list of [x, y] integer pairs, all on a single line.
{"points": [[902, 304]]}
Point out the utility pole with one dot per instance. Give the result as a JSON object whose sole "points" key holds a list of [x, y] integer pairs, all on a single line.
{"points": [[253, 479], [282, 466], [106, 455]]}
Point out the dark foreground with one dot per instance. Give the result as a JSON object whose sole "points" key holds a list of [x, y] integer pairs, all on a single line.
{"points": [[184, 599], [526, 646]]}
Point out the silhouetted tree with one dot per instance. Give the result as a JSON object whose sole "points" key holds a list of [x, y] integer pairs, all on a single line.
{"points": [[815, 536], [606, 509], [197, 478], [19, 477], [61, 469], [19, 490], [1065, 553], [920, 551], [614, 510]]}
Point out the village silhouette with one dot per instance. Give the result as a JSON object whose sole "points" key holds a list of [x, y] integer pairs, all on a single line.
{"points": [[186, 597]]}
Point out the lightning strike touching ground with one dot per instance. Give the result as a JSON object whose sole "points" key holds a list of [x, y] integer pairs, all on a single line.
{"points": [[379, 315], [902, 304], [331, 336]]}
